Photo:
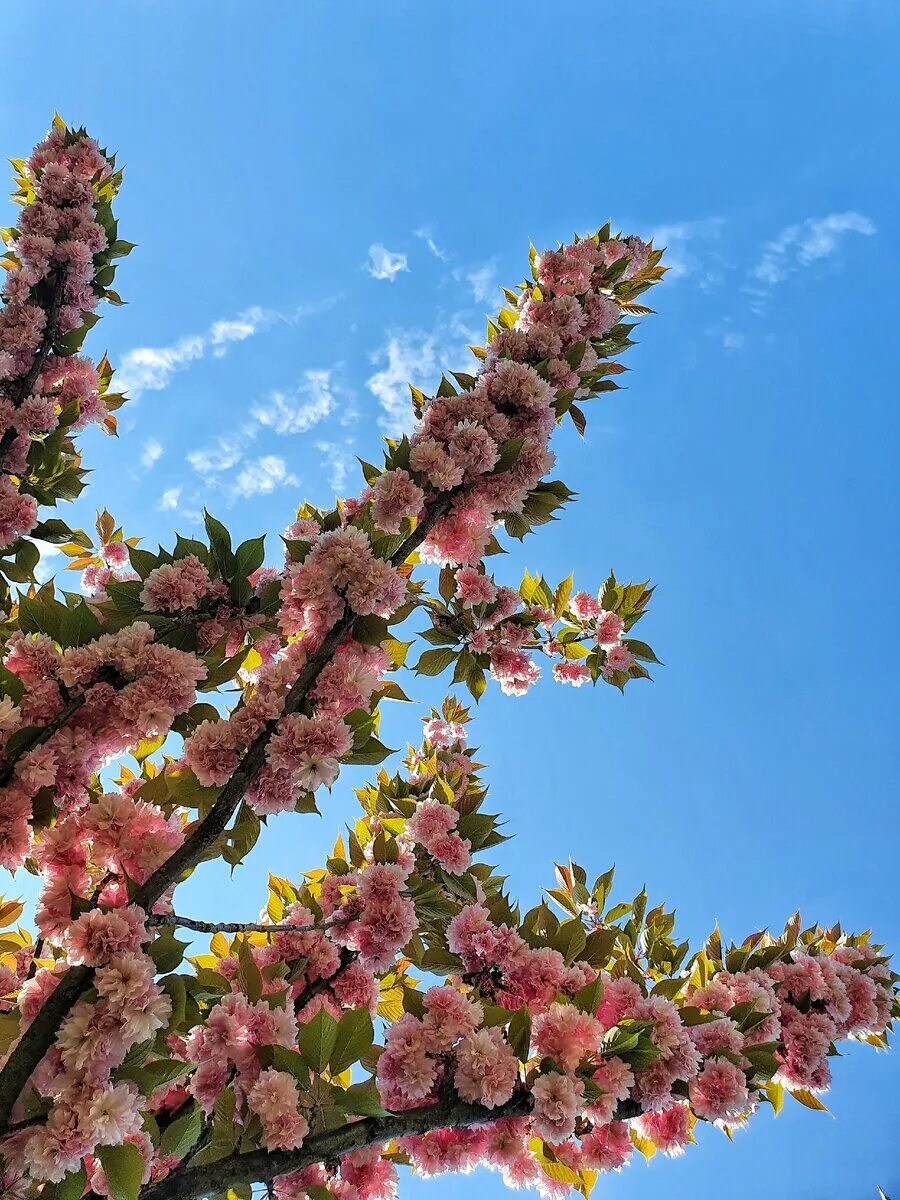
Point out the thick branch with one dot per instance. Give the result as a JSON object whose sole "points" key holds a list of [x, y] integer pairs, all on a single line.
{"points": [[38, 1038], [18, 389], [261, 1165], [213, 824], [156, 919], [322, 985]]}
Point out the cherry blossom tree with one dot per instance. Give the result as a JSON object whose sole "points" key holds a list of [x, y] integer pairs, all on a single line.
{"points": [[393, 1007]]}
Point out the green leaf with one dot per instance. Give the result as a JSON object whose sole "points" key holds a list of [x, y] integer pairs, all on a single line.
{"points": [[220, 542], [370, 754], [290, 1061], [807, 1099], [124, 1169], [361, 1098], [317, 1040], [433, 662], [355, 1035], [167, 951], [70, 1187], [249, 556], [588, 998], [249, 975], [183, 1134], [640, 650], [154, 1074], [520, 1033]]}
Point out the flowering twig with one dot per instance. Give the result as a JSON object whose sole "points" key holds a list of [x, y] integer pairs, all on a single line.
{"points": [[45, 732], [156, 919], [38, 1037], [262, 1165]]}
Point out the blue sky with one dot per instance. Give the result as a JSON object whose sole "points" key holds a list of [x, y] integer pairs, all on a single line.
{"points": [[325, 199]]}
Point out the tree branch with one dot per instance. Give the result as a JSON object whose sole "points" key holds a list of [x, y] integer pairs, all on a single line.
{"points": [[322, 985], [262, 1165], [18, 389], [37, 1039], [156, 919]]}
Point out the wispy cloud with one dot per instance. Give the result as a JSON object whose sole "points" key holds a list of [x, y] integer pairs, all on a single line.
{"points": [[285, 413], [49, 562], [693, 248], [384, 263], [482, 280], [410, 357], [805, 243], [295, 412], [340, 459], [150, 368], [238, 329], [264, 475], [168, 501], [151, 453], [222, 454], [425, 234]]}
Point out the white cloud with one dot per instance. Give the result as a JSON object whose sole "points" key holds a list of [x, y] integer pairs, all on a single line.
{"points": [[236, 330], [151, 453], [384, 263], [805, 243], [168, 501], [264, 475], [411, 357], [341, 460], [149, 368], [692, 249], [733, 340], [311, 402], [223, 454], [425, 234], [483, 282], [47, 564]]}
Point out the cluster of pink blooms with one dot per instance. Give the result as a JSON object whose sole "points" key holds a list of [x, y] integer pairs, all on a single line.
{"points": [[433, 826], [509, 631], [811, 1001], [132, 687], [55, 244], [503, 966], [116, 838], [340, 570], [378, 916], [89, 1109], [113, 564], [448, 1044], [174, 587], [360, 1175], [458, 442], [697, 1071], [305, 751]]}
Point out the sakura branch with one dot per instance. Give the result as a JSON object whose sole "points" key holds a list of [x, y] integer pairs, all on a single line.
{"points": [[158, 721], [158, 919]]}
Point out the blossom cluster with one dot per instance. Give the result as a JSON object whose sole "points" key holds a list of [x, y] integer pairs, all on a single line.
{"points": [[572, 1042], [590, 1105], [128, 686], [90, 1108], [50, 288]]}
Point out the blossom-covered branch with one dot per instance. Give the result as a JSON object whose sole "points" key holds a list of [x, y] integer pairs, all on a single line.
{"points": [[556, 1046]]}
